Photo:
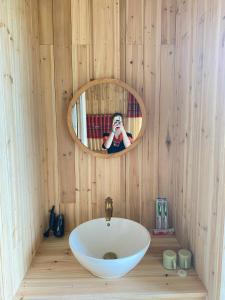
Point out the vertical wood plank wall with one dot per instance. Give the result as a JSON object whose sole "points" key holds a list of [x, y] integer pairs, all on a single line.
{"points": [[92, 39], [21, 178], [172, 53], [199, 136]]}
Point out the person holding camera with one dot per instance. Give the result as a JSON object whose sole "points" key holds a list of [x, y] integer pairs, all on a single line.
{"points": [[118, 139]]}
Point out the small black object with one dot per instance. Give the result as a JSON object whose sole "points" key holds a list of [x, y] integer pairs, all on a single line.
{"points": [[52, 218], [59, 226]]}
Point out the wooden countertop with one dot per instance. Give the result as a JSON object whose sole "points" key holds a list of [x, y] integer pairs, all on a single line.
{"points": [[56, 274]]}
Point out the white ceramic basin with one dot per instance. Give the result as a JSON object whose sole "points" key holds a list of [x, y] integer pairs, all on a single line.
{"points": [[90, 241]]}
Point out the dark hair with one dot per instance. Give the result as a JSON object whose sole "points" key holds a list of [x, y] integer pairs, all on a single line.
{"points": [[117, 114]]}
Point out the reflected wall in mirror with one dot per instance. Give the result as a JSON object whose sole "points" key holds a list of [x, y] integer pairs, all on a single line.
{"points": [[106, 116]]}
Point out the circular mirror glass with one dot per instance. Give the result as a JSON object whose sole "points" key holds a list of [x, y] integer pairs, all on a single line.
{"points": [[106, 117]]}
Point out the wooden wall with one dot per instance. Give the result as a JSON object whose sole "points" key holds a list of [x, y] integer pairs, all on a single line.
{"points": [[172, 53], [21, 184], [199, 136], [82, 40]]}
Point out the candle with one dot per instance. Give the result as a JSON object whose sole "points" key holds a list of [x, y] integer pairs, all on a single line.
{"points": [[184, 257], [169, 259]]}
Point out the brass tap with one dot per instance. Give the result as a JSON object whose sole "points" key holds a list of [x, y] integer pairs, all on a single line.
{"points": [[108, 208]]}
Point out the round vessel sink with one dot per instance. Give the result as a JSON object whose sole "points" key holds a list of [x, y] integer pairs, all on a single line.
{"points": [[109, 251]]}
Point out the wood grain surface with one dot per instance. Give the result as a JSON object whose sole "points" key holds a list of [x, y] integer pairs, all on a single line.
{"points": [[172, 53], [23, 189], [56, 274]]}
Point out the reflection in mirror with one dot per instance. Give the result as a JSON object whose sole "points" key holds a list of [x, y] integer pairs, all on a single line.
{"points": [[106, 118]]}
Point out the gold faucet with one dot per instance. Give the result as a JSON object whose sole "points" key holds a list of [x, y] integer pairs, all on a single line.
{"points": [[108, 208]]}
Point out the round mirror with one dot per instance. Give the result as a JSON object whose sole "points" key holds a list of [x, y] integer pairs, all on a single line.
{"points": [[106, 117]]}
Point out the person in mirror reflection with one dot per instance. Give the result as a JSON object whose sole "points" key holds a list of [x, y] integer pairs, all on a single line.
{"points": [[118, 139]]}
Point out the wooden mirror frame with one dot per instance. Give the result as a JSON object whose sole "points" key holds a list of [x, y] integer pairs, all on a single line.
{"points": [[76, 98]]}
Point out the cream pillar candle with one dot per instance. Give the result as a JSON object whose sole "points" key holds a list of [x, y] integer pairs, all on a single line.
{"points": [[184, 257], [169, 259]]}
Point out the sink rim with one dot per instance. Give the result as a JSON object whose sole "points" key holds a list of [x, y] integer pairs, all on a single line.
{"points": [[145, 248]]}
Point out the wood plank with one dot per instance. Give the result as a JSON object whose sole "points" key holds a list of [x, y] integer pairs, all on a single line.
{"points": [[168, 17], [181, 108], [167, 95], [199, 175], [22, 195], [134, 21], [81, 15], [152, 40], [55, 273], [106, 39], [48, 102], [217, 288], [110, 173], [45, 22], [63, 94], [134, 77], [82, 57]]}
